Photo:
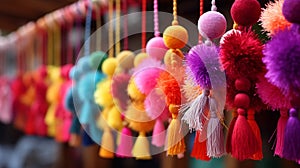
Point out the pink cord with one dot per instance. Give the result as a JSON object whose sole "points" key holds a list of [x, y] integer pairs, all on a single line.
{"points": [[156, 22]]}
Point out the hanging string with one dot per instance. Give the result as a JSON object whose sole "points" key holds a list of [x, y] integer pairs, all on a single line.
{"points": [[87, 33], [144, 5], [156, 21], [110, 29], [117, 36], [213, 5], [201, 13], [98, 25], [125, 23], [49, 45], [175, 20], [56, 43]]}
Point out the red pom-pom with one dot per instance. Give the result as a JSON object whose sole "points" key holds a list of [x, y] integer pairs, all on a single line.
{"points": [[242, 100], [242, 84], [245, 12], [241, 55]]}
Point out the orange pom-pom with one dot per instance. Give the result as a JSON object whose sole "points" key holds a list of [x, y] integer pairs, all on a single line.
{"points": [[175, 37], [272, 19]]}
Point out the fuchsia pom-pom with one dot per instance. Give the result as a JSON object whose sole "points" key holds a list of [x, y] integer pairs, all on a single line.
{"points": [[155, 105], [203, 62], [156, 48], [282, 55], [241, 55], [272, 95]]}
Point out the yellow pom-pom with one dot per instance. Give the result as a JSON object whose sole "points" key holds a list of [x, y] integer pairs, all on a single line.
{"points": [[109, 66], [175, 37], [139, 58], [102, 94], [125, 60], [173, 58], [134, 92], [114, 119]]}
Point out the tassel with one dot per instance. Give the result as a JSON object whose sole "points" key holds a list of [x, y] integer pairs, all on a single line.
{"points": [[125, 146], [215, 136], [291, 148], [175, 141], [243, 142], [193, 112], [251, 120], [107, 145], [158, 135], [199, 149], [229, 133], [280, 132], [141, 147]]}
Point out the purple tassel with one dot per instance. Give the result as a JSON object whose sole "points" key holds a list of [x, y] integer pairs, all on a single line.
{"points": [[291, 149]]}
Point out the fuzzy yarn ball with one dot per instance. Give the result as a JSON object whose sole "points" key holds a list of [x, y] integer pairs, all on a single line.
{"points": [[245, 12], [290, 10], [212, 25], [272, 19], [156, 48], [241, 55], [175, 37], [282, 55], [203, 62]]}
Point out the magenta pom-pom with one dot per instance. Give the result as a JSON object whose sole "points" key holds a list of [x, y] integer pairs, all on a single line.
{"points": [[212, 25], [156, 48], [282, 55], [119, 90], [155, 105]]}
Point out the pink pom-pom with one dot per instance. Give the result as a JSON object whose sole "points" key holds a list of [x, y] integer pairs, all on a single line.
{"points": [[272, 95], [212, 25], [156, 48], [159, 134], [155, 105]]}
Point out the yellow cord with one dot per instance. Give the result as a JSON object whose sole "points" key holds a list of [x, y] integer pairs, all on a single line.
{"points": [[110, 29], [175, 21]]}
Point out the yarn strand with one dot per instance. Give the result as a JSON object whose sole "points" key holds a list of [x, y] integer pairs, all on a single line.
{"points": [[175, 20], [156, 21]]}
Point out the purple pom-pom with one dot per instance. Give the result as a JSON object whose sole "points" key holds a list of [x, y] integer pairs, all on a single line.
{"points": [[203, 62], [282, 59]]}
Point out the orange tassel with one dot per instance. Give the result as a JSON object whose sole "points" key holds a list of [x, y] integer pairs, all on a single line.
{"points": [[199, 149], [107, 145], [251, 120]]}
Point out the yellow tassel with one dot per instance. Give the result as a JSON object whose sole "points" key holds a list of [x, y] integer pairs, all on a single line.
{"points": [[107, 145], [175, 141], [114, 119], [141, 147]]}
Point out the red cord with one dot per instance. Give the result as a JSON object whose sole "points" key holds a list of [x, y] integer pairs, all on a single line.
{"points": [[125, 44], [144, 5], [201, 12]]}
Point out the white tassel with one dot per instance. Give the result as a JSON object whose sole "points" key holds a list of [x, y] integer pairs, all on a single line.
{"points": [[193, 112], [215, 136]]}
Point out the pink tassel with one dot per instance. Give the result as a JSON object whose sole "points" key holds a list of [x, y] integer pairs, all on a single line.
{"points": [[280, 132], [126, 143], [215, 136], [159, 134], [193, 112]]}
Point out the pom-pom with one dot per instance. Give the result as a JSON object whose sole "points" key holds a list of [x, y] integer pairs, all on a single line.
{"points": [[242, 84], [291, 146], [212, 25], [155, 105], [156, 48], [109, 66], [190, 88], [96, 60], [239, 52], [290, 10], [125, 59], [134, 92], [272, 95], [272, 19], [102, 94], [282, 55], [245, 12], [119, 92], [139, 58], [203, 62], [242, 100], [243, 142], [175, 37]]}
